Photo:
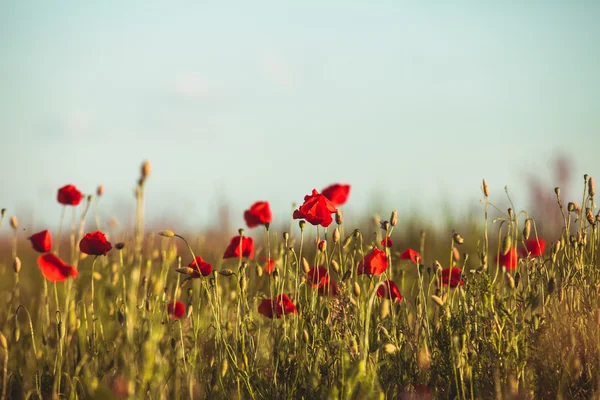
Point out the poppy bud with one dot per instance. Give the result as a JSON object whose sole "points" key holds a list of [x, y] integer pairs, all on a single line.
{"points": [[437, 300], [305, 265], [457, 238], [389, 348], [14, 222], [3, 342], [486, 189], [347, 241], [146, 168], [511, 280], [322, 246], [590, 216], [224, 367], [506, 244], [286, 236], [17, 265], [335, 266], [225, 272], [510, 213], [336, 235], [591, 187], [527, 228], [241, 231], [16, 333], [356, 289], [384, 308], [167, 233], [338, 217], [259, 270], [557, 191], [394, 218], [100, 190]]}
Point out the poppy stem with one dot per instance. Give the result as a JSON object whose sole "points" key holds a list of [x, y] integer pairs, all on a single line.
{"points": [[60, 224], [93, 272]]}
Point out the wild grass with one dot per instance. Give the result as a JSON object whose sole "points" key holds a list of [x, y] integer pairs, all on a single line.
{"points": [[528, 332]]}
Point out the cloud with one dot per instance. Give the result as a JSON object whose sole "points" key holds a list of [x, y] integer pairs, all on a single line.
{"points": [[278, 69]]}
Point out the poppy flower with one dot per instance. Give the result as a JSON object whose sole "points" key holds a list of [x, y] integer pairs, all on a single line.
{"points": [[258, 214], [387, 242], [375, 263], [510, 259], [69, 195], [200, 267], [280, 305], [41, 241], [452, 276], [534, 248], [329, 289], [337, 193], [389, 290], [234, 248], [317, 276], [54, 269], [269, 264], [176, 309], [95, 244], [316, 210], [410, 254]]}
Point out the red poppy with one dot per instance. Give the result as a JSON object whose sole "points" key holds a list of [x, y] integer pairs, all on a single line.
{"points": [[280, 304], [389, 290], [410, 254], [95, 244], [316, 210], [54, 269], [200, 267], [234, 248], [269, 265], [69, 195], [375, 263], [329, 289], [510, 259], [534, 248], [176, 310], [337, 193], [41, 241], [258, 214], [317, 276], [452, 277], [387, 242]]}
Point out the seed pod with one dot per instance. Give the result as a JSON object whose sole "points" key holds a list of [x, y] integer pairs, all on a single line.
{"points": [[185, 270], [506, 244], [389, 348], [335, 266], [527, 229], [226, 272], [305, 265], [591, 187], [336, 235], [486, 189], [306, 336], [394, 218], [356, 289], [224, 367], [286, 236], [302, 224], [17, 265], [339, 218], [457, 238]]}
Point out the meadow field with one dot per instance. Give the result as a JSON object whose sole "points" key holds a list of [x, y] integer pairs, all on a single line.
{"points": [[495, 305]]}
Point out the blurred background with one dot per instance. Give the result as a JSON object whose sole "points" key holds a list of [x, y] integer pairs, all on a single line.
{"points": [[412, 103]]}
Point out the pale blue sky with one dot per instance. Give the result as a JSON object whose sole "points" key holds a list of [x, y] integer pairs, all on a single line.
{"points": [[414, 102]]}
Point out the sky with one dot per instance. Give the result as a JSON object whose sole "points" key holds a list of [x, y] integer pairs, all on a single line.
{"points": [[412, 103]]}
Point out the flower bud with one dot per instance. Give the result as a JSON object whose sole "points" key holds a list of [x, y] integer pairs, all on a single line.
{"points": [[14, 222], [356, 289], [527, 228], [347, 241], [394, 218], [437, 300], [591, 187], [322, 246], [305, 265], [100, 190], [17, 265], [336, 235], [286, 236], [167, 233], [506, 244], [338, 217], [486, 189], [301, 224], [226, 272], [146, 168], [335, 266]]}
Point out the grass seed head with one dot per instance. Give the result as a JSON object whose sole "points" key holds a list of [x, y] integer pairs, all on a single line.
{"points": [[394, 218], [335, 266], [437, 300], [356, 289]]}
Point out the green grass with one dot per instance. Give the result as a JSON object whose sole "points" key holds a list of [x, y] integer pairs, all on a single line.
{"points": [[531, 332]]}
